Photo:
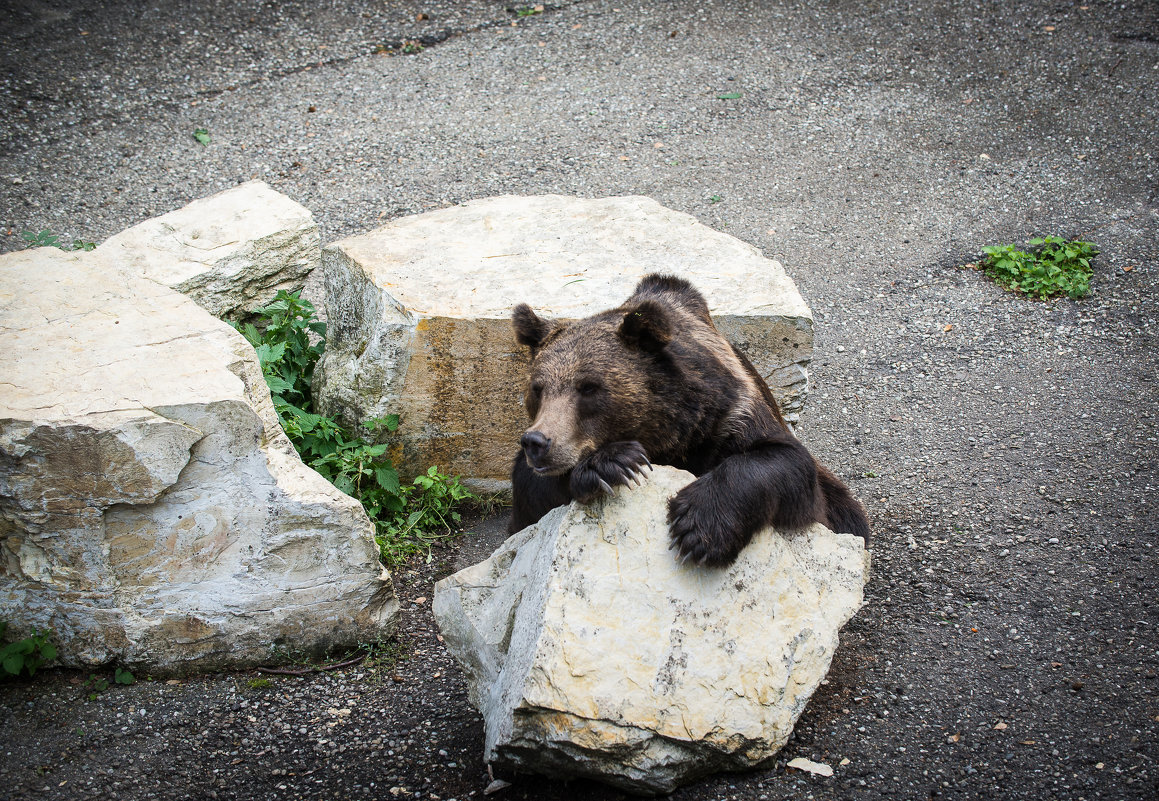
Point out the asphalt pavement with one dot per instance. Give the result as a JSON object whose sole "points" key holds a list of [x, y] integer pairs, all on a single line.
{"points": [[1005, 449]]}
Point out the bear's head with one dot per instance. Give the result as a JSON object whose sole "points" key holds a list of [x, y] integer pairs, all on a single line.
{"points": [[593, 381]]}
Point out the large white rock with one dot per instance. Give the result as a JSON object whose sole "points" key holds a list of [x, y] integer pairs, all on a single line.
{"points": [[418, 313], [151, 509], [591, 652], [231, 252]]}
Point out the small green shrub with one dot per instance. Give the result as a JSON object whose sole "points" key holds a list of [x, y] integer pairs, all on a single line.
{"points": [[97, 685], [386, 654], [408, 519], [1053, 266], [429, 516], [25, 655], [288, 346], [47, 239]]}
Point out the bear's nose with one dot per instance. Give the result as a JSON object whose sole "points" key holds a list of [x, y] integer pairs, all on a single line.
{"points": [[535, 445]]}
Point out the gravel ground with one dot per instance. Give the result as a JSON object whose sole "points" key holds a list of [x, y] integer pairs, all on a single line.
{"points": [[1005, 450]]}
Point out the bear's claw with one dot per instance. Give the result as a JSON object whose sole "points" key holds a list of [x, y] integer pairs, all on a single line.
{"points": [[618, 464], [701, 530]]}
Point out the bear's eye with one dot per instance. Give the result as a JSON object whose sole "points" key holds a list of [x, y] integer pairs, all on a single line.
{"points": [[589, 387], [537, 389]]}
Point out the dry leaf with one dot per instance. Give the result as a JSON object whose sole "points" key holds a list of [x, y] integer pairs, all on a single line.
{"points": [[955, 737], [809, 766], [999, 726], [947, 327]]}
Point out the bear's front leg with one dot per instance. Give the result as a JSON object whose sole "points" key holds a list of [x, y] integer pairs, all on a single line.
{"points": [[613, 465], [714, 517]]}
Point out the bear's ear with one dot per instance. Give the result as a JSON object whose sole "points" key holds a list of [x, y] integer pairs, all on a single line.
{"points": [[647, 326], [530, 329]]}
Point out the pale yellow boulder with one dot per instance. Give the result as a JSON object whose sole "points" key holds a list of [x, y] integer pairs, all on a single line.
{"points": [[231, 252], [591, 652], [152, 511], [418, 313]]}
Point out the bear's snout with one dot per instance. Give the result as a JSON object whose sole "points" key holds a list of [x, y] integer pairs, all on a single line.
{"points": [[535, 446]]}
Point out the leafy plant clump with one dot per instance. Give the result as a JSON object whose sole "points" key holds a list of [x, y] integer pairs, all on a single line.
{"points": [[45, 238], [1053, 266], [408, 518], [25, 655]]}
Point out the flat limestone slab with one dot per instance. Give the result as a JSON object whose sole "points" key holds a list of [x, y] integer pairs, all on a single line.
{"points": [[152, 511], [591, 651], [418, 313], [231, 252]]}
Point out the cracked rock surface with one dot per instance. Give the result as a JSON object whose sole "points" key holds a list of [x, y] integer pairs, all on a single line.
{"points": [[152, 511], [591, 652], [230, 252]]}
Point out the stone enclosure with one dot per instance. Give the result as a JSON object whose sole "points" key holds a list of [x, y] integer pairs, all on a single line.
{"points": [[154, 514]]}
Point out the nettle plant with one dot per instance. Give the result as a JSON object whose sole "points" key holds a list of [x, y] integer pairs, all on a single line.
{"points": [[26, 655], [45, 238], [408, 518], [1052, 266]]}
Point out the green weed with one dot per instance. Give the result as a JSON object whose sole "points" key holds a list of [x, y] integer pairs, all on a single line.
{"points": [[47, 239], [98, 684], [258, 683], [429, 516], [528, 11], [26, 655], [1053, 266], [201, 135], [408, 519], [386, 654]]}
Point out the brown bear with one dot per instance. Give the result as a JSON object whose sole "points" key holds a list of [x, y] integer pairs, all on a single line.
{"points": [[654, 381]]}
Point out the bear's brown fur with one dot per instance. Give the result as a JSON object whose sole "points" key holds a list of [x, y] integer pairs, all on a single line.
{"points": [[654, 381]]}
